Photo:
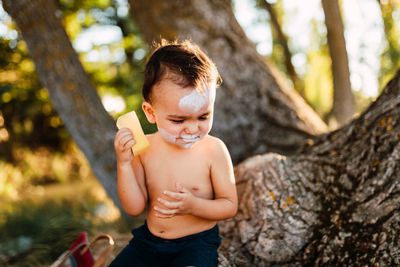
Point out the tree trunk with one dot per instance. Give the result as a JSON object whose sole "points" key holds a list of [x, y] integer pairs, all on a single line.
{"points": [[71, 92], [283, 41], [336, 203], [343, 100], [255, 111]]}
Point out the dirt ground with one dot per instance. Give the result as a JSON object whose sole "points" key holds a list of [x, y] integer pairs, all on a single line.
{"points": [[120, 241]]}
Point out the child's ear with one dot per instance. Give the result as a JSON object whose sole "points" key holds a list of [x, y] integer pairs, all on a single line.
{"points": [[149, 112]]}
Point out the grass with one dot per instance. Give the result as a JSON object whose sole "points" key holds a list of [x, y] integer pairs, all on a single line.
{"points": [[45, 205]]}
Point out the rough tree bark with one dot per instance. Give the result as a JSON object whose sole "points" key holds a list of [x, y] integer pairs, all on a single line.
{"points": [[71, 92], [255, 111], [336, 203], [343, 100]]}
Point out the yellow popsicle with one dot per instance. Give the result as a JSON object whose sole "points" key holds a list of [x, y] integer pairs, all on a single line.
{"points": [[131, 121]]}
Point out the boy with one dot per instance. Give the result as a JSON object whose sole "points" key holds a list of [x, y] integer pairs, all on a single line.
{"points": [[186, 176]]}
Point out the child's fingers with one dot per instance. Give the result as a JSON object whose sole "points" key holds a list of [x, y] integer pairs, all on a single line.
{"points": [[125, 135], [123, 142], [125, 146], [169, 204], [122, 132], [122, 136], [126, 140], [129, 144], [174, 195]]}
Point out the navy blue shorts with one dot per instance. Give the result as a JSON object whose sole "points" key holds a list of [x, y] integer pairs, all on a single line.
{"points": [[146, 250]]}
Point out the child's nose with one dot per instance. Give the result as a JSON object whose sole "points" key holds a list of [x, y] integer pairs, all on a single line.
{"points": [[192, 128]]}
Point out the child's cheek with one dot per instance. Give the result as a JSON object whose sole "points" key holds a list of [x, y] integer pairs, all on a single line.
{"points": [[205, 127], [168, 136]]}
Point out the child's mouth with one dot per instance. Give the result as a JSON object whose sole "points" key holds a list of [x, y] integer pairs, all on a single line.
{"points": [[187, 141], [189, 138]]}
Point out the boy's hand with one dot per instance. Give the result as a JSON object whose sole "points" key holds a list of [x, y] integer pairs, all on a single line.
{"points": [[122, 144], [180, 204]]}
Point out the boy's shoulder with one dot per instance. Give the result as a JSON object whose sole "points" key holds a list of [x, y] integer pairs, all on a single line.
{"points": [[216, 152], [213, 140], [215, 144]]}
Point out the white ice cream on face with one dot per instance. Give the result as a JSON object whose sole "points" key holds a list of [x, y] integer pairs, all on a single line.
{"points": [[190, 103], [190, 140], [184, 140], [194, 101], [170, 138]]}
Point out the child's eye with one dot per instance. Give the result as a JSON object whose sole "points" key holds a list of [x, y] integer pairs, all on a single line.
{"points": [[203, 118], [177, 121]]}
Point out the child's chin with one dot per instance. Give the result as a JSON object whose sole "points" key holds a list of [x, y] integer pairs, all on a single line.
{"points": [[186, 145]]}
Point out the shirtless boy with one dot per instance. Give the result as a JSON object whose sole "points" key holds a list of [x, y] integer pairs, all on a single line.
{"points": [[185, 178]]}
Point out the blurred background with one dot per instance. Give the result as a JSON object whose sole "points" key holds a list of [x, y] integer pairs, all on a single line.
{"points": [[48, 194]]}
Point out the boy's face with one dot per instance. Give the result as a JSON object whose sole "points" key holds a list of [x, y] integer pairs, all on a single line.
{"points": [[183, 115]]}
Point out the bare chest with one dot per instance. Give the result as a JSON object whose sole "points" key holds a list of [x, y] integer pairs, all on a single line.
{"points": [[163, 173]]}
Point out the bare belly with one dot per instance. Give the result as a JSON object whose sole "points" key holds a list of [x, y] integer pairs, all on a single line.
{"points": [[177, 226]]}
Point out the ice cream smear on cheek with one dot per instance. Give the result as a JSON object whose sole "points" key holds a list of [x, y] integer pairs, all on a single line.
{"points": [[184, 140]]}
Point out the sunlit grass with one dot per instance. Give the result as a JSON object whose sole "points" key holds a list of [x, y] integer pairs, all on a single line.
{"points": [[45, 229], [40, 167], [46, 200]]}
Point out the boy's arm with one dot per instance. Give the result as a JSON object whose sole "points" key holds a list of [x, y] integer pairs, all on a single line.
{"points": [[223, 206], [131, 187]]}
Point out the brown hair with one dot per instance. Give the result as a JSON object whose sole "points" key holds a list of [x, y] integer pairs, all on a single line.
{"points": [[184, 63]]}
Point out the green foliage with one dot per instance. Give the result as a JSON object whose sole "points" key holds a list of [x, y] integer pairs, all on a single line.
{"points": [[47, 192], [318, 83], [390, 58], [318, 79], [31, 232], [38, 230], [40, 167], [116, 76], [38, 220], [27, 116], [278, 54]]}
